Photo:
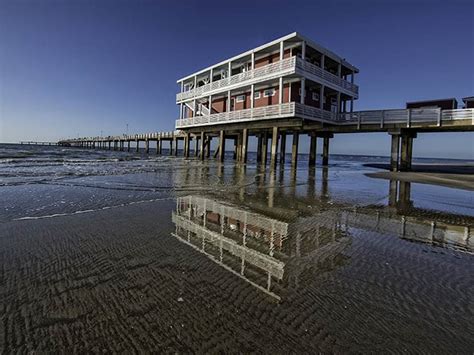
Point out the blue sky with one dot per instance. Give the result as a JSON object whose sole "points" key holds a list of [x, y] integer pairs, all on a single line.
{"points": [[80, 67]]}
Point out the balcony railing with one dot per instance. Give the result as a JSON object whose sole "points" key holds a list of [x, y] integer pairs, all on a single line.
{"points": [[269, 71], [292, 109], [251, 114], [308, 67], [265, 72]]}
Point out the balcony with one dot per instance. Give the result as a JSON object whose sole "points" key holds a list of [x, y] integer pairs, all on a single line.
{"points": [[287, 66]]}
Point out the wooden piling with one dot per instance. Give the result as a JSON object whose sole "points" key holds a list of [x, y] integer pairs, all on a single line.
{"points": [[294, 148], [221, 145], [273, 156], [312, 150], [282, 148], [325, 150]]}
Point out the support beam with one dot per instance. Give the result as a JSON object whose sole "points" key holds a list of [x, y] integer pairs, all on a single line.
{"points": [[312, 150], [208, 146], [171, 147], [245, 142], [282, 148], [259, 147], [325, 151], [203, 142], [186, 145], [137, 145], [264, 148], [196, 145], [128, 145], [176, 145], [294, 149], [395, 152], [147, 145], [221, 145], [406, 152], [274, 147]]}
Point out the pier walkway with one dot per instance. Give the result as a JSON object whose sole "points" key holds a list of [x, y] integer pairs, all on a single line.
{"points": [[272, 124]]}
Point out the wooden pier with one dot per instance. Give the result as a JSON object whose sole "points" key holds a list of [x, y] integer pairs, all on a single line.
{"points": [[402, 126], [38, 143]]}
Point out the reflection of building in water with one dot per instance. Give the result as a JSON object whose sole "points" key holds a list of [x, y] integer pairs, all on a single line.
{"points": [[256, 248], [414, 224]]}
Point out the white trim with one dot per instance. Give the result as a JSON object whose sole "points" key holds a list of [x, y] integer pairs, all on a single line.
{"points": [[240, 98], [312, 44], [268, 95], [257, 95]]}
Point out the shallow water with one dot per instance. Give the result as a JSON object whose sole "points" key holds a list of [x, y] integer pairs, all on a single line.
{"points": [[116, 251]]}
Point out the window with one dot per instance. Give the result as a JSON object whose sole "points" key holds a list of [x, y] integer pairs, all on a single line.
{"points": [[240, 98], [315, 96], [256, 95], [269, 92]]}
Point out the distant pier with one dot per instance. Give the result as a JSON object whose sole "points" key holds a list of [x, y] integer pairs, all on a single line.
{"points": [[38, 143]]}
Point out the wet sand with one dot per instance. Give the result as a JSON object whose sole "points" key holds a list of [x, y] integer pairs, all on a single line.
{"points": [[131, 264], [455, 176]]}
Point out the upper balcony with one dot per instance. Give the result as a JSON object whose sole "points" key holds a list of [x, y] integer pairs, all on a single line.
{"points": [[288, 66]]}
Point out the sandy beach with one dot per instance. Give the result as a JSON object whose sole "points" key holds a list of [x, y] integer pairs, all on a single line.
{"points": [[459, 176], [114, 254]]}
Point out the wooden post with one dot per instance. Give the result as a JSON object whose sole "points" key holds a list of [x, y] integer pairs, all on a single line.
{"points": [[203, 142], [158, 142], [245, 141], [128, 145], [312, 150], [147, 145], [264, 148], [235, 148], [176, 145], [171, 147], [259, 147], [221, 145], [325, 151], [294, 149], [186, 145], [208, 146], [282, 148], [138, 145], [196, 145], [274, 147], [395, 152]]}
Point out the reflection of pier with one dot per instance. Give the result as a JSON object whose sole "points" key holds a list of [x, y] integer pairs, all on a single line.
{"points": [[254, 247]]}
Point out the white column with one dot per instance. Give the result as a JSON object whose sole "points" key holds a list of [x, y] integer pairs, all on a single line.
{"points": [[211, 75], [252, 96], [252, 60], [282, 50], [194, 108], [182, 86], [181, 111], [228, 101], [339, 70], [230, 69], [303, 83], [210, 104], [352, 77], [338, 102], [352, 104], [321, 97], [323, 59], [280, 91], [303, 50], [195, 81]]}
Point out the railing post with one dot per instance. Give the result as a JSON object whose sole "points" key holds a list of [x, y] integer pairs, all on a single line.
{"points": [[358, 121], [408, 117], [439, 117]]}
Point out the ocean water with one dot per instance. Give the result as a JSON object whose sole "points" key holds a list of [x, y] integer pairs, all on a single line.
{"points": [[117, 251]]}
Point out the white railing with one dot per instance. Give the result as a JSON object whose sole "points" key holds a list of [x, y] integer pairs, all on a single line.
{"points": [[407, 117], [268, 71], [251, 114], [325, 75]]}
